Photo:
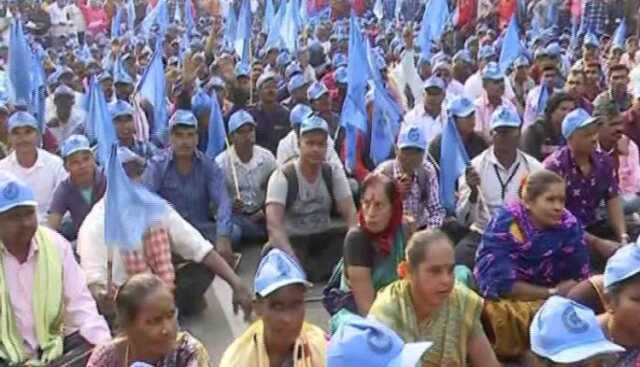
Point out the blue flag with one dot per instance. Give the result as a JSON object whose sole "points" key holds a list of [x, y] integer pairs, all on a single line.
{"points": [[177, 14], [217, 134], [511, 46], [116, 22], [289, 30], [131, 15], [620, 34], [130, 209], [543, 97], [19, 66], [435, 18], [99, 124], [159, 16], [269, 14], [230, 28], [152, 87], [274, 38], [453, 163], [304, 11], [38, 90], [243, 34], [188, 16]]}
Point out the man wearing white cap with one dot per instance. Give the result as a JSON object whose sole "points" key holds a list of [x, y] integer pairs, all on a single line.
{"points": [[40, 170], [45, 301], [66, 119]]}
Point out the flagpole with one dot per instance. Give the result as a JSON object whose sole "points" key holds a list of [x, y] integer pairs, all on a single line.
{"points": [[250, 74], [234, 174]]}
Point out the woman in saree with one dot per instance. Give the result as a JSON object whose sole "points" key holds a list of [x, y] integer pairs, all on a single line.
{"points": [[531, 250], [429, 305]]}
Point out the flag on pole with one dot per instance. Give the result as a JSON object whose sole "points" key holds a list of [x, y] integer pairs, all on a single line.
{"points": [[116, 23], [131, 15], [289, 30], [217, 134], [177, 15], [269, 14], [19, 66], [620, 34], [243, 34], [152, 87], [99, 124], [453, 163], [231, 28], [511, 46]]}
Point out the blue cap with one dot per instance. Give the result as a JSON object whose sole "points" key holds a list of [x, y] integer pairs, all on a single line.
{"points": [[313, 123], [14, 193], [521, 61], [492, 71], [242, 70], [412, 136], [120, 108], [316, 90], [105, 76], [238, 119], [590, 39], [505, 117], [554, 49], [576, 119], [297, 81], [624, 264], [74, 144], [367, 342], [565, 331], [461, 107], [283, 59], [184, 118], [299, 113], [121, 76], [434, 82], [140, 364], [464, 56], [486, 51], [278, 269], [265, 77], [22, 119], [63, 90], [341, 75], [291, 70], [339, 60]]}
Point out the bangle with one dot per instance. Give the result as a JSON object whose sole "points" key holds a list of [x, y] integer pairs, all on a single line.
{"points": [[552, 292]]}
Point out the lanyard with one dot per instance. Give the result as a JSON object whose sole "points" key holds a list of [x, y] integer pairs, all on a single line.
{"points": [[504, 185]]}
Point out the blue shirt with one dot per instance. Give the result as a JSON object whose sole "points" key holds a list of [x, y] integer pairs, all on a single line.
{"points": [[192, 195]]}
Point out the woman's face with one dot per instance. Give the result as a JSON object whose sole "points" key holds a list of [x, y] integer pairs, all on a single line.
{"points": [[563, 109], [625, 307], [283, 314], [376, 207], [434, 278], [155, 327], [547, 208]]}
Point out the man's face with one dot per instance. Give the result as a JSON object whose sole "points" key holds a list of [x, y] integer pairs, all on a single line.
{"points": [[313, 147], [282, 313], [494, 88], [433, 98], [64, 104], [269, 92], [107, 87], [125, 129], [81, 166], [583, 141], [123, 91], [244, 138], [505, 139], [184, 140], [590, 52], [611, 129], [322, 104], [23, 139], [549, 78], [592, 73], [410, 158], [619, 79], [18, 225], [575, 85]]}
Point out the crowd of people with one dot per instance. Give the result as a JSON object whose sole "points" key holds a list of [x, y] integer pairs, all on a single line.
{"points": [[464, 176]]}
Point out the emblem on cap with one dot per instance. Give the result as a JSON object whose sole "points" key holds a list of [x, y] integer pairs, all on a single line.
{"points": [[504, 114], [414, 134], [11, 191], [379, 343], [464, 103], [573, 322]]}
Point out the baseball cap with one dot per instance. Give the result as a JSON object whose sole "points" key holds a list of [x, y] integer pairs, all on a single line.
{"points": [[341, 75], [238, 119], [565, 331], [265, 77], [339, 59], [505, 117], [316, 90], [184, 118], [242, 70], [412, 136], [521, 61], [360, 342], [299, 113], [590, 39], [22, 119], [14, 192], [554, 49], [576, 119], [313, 123], [291, 70], [486, 52], [121, 108], [74, 144], [297, 81], [105, 76], [624, 264], [278, 269], [492, 71], [433, 82], [215, 82], [463, 56], [461, 107], [63, 90]]}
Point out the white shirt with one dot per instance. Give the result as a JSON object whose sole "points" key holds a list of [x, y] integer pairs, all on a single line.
{"points": [[60, 24], [430, 125], [454, 89], [288, 149], [473, 87], [531, 106], [43, 177], [77, 18], [490, 195], [75, 125], [186, 241]]}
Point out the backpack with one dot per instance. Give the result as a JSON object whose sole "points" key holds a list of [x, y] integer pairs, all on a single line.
{"points": [[289, 171]]}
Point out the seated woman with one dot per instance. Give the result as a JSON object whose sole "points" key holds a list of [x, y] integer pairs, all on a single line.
{"points": [[430, 306], [565, 333], [622, 291], [280, 337], [530, 251], [149, 329]]}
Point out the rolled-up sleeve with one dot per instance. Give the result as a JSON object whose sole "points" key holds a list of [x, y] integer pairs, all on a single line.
{"points": [[218, 191]]}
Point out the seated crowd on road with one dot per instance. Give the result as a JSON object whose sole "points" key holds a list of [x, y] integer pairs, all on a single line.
{"points": [[459, 180]]}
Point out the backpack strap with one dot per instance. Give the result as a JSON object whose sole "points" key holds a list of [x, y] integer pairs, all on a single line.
{"points": [[289, 171]]}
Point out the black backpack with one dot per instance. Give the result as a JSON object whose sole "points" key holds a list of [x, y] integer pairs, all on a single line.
{"points": [[289, 171]]}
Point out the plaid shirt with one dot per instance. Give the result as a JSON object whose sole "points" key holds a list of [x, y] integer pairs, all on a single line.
{"points": [[155, 256], [594, 17], [423, 203]]}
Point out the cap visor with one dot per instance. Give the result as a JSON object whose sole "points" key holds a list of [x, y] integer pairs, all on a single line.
{"points": [[283, 283], [74, 151], [582, 352], [21, 203], [410, 355]]}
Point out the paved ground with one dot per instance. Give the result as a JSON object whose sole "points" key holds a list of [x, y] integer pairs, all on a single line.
{"points": [[217, 326]]}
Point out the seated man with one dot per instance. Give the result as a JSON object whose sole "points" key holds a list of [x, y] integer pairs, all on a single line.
{"points": [[46, 306], [417, 178], [248, 178], [192, 183], [122, 116], [68, 118], [40, 170], [300, 198], [191, 280], [280, 337], [78, 193], [493, 179]]}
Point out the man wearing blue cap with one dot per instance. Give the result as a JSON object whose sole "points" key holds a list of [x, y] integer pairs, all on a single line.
{"points": [[253, 166], [361, 342], [429, 113], [79, 192], [297, 88], [473, 85], [280, 337], [122, 117], [300, 198], [40, 170], [320, 100], [47, 308], [498, 173], [271, 117], [590, 177], [493, 97], [566, 333]]}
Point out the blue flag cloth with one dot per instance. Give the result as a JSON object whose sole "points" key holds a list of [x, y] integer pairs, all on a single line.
{"points": [[189, 23], [217, 134], [354, 115], [543, 97], [159, 16], [289, 30], [435, 18], [231, 28], [620, 34], [99, 124], [131, 15], [453, 163], [19, 66], [304, 11], [274, 38], [511, 45], [152, 87], [38, 90], [130, 209], [378, 9], [177, 14], [269, 14], [116, 22], [243, 33]]}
